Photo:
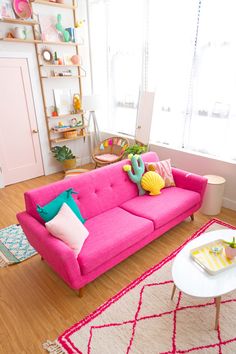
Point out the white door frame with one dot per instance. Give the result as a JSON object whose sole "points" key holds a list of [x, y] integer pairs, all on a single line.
{"points": [[37, 98]]}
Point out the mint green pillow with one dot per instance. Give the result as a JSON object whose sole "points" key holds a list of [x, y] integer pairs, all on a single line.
{"points": [[48, 211]]}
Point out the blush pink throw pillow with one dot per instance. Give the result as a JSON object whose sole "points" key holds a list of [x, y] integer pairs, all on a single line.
{"points": [[163, 168], [68, 228]]}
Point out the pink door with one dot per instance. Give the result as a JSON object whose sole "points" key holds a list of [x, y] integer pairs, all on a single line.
{"points": [[20, 155]]}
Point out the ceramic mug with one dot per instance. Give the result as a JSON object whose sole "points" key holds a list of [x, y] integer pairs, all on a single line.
{"points": [[20, 32]]}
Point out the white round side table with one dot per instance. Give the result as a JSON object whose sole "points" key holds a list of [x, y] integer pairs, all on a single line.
{"points": [[212, 200], [193, 281]]}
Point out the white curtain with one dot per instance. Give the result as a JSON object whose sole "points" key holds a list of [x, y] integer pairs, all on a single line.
{"points": [[185, 51], [213, 122]]}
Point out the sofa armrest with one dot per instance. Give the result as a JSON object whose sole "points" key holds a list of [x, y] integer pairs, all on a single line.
{"points": [[55, 252], [190, 181]]}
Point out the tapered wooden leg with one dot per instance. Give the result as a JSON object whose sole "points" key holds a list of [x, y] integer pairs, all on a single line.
{"points": [[192, 217], [217, 300], [173, 292], [80, 292]]}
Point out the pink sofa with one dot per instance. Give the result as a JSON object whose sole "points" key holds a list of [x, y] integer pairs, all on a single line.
{"points": [[119, 221]]}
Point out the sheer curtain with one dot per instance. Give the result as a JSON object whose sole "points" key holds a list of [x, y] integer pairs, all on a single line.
{"points": [[213, 121], [117, 54], [183, 50], [171, 42]]}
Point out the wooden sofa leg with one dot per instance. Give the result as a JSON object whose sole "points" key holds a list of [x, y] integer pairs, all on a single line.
{"points": [[192, 217], [80, 292]]}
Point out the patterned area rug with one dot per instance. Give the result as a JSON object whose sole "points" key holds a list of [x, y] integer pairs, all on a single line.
{"points": [[142, 319], [14, 246]]}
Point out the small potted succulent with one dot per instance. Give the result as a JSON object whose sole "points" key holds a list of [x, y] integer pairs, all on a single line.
{"points": [[64, 155], [230, 249]]}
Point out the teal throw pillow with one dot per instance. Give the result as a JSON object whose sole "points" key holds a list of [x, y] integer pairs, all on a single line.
{"points": [[48, 211]]}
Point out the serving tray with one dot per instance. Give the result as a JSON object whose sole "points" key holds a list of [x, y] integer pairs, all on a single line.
{"points": [[212, 263]]}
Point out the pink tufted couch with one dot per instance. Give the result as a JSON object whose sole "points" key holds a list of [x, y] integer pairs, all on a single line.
{"points": [[119, 221]]}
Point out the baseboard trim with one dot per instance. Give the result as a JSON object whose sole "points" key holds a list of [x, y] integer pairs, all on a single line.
{"points": [[83, 160], [229, 203]]}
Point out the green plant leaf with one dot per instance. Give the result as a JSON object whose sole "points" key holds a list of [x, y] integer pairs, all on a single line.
{"points": [[62, 153]]}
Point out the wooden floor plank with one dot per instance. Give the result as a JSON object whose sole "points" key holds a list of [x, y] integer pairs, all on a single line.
{"points": [[35, 304]]}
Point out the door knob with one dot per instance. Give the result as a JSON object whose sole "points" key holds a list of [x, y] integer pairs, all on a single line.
{"points": [[139, 127], [35, 131]]}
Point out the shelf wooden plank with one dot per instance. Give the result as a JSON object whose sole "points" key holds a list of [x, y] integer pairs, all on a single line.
{"points": [[61, 77], [58, 65], [38, 41], [66, 129], [59, 43], [19, 21], [56, 4], [65, 115], [62, 140], [20, 40]]}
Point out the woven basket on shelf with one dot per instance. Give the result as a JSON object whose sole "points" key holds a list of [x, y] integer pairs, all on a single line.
{"points": [[70, 134]]}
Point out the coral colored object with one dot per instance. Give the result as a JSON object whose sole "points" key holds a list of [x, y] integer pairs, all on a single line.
{"points": [[22, 8], [118, 220], [230, 252], [152, 182], [107, 157], [75, 59]]}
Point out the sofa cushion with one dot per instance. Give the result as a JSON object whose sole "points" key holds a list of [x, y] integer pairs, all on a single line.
{"points": [[110, 233], [163, 168], [162, 208], [67, 227], [50, 210]]}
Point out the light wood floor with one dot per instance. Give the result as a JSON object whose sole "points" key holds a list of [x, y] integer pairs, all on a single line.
{"points": [[35, 305]]}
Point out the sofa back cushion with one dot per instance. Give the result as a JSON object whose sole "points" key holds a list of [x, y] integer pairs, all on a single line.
{"points": [[98, 190]]}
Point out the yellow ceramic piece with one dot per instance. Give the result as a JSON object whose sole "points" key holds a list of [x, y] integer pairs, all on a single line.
{"points": [[76, 102], [127, 168], [152, 182]]}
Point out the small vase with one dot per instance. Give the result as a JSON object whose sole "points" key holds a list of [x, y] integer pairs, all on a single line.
{"points": [[230, 252]]}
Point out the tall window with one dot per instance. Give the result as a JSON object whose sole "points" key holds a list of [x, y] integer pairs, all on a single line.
{"points": [[185, 51], [116, 29]]}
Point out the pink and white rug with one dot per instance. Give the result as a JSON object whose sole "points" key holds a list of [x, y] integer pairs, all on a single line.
{"points": [[142, 319]]}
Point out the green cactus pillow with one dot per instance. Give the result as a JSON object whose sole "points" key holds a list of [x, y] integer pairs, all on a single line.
{"points": [[48, 211], [138, 170]]}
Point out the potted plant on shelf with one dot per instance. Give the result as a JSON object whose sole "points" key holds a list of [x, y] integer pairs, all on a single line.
{"points": [[230, 249], [64, 155]]}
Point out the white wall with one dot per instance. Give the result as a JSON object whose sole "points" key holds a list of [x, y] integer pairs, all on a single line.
{"points": [[20, 50], [201, 165]]}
